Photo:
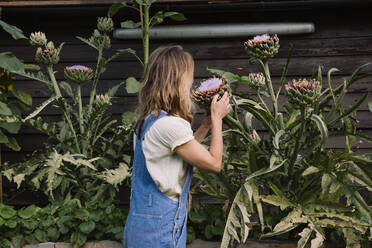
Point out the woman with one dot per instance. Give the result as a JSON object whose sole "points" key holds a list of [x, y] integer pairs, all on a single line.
{"points": [[163, 141]]}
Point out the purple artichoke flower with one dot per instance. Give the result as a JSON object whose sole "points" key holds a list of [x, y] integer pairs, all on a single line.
{"points": [[262, 46], [210, 84], [203, 94]]}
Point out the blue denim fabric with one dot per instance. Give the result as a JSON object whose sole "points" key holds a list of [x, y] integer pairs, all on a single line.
{"points": [[154, 220]]}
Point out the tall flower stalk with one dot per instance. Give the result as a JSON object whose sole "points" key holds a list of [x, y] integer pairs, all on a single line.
{"points": [[145, 33], [145, 23], [269, 84]]}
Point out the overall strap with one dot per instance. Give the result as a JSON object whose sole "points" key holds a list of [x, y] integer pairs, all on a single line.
{"points": [[148, 123]]}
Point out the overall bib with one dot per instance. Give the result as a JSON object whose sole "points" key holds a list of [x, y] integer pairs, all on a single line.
{"points": [[154, 220]]}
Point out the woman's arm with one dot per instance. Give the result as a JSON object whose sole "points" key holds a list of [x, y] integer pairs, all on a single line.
{"points": [[203, 129], [195, 154]]}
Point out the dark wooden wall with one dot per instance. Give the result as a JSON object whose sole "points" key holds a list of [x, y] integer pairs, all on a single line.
{"points": [[342, 39]]}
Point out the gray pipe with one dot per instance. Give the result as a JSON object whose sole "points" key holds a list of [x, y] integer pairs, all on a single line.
{"points": [[216, 30]]}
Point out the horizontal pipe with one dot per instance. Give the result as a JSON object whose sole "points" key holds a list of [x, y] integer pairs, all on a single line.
{"points": [[216, 30]]}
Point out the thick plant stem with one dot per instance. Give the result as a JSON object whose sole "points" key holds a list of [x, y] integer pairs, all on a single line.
{"points": [[80, 109], [59, 95], [298, 139], [145, 36], [270, 87], [96, 79], [235, 124], [54, 81], [262, 101], [72, 130]]}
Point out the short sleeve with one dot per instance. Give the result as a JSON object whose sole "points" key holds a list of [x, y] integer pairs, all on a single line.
{"points": [[172, 131]]}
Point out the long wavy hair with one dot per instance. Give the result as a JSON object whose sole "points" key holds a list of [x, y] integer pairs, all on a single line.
{"points": [[165, 85]]}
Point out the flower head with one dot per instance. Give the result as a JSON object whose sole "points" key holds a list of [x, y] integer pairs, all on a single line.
{"points": [[262, 46], [210, 84], [261, 38], [47, 56], [303, 92], [78, 74], [50, 45], [38, 38], [103, 99], [256, 80], [203, 94], [105, 24], [99, 39]]}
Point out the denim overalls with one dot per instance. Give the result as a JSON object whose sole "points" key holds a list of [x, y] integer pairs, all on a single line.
{"points": [[154, 220]]}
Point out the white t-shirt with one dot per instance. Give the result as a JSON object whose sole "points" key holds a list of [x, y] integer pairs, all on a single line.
{"points": [[166, 168]]}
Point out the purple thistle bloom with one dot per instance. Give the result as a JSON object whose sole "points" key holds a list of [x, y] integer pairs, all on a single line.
{"points": [[263, 37], [79, 67], [210, 84]]}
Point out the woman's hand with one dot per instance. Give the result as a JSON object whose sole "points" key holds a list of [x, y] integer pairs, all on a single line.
{"points": [[194, 153], [219, 109]]}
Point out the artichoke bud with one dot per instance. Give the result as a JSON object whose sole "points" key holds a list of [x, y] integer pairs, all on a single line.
{"points": [[47, 56], [105, 24], [256, 80], [262, 46], [203, 95], [100, 40], [96, 33], [102, 99], [38, 38], [303, 92], [78, 74], [50, 45], [106, 42]]}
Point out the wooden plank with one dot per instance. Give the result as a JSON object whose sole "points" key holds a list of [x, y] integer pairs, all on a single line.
{"points": [[299, 67], [30, 142], [211, 49], [39, 90], [129, 103], [50, 21], [363, 121]]}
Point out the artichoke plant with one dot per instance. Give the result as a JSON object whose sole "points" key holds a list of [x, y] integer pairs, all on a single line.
{"points": [[86, 131], [262, 46], [289, 170], [203, 94]]}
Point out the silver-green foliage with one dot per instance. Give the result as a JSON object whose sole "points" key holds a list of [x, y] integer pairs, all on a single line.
{"points": [[86, 156], [289, 168]]}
